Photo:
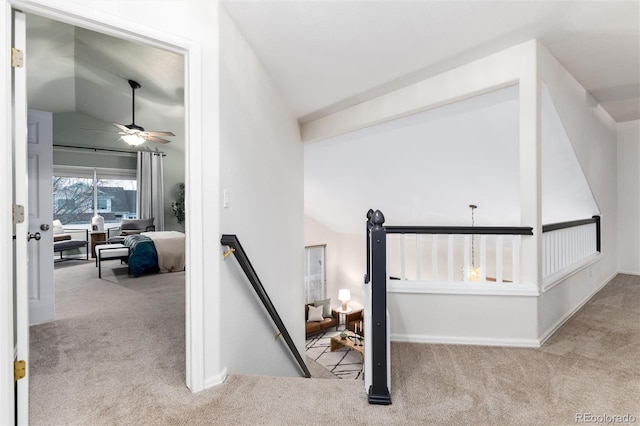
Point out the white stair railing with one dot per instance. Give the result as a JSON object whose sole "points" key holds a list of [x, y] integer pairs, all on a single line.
{"points": [[461, 257], [567, 246]]}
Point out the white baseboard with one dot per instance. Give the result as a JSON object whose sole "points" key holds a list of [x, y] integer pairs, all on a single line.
{"points": [[547, 334], [461, 340], [216, 380], [636, 273]]}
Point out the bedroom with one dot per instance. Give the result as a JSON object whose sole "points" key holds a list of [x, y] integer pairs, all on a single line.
{"points": [[71, 68]]}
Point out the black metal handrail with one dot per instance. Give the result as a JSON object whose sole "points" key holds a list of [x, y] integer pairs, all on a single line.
{"points": [[460, 230], [563, 225], [233, 243], [572, 223]]}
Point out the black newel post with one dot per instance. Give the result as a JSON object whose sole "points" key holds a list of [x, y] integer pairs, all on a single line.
{"points": [[378, 391], [598, 230], [367, 275]]}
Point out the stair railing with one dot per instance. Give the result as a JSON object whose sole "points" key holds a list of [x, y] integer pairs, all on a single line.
{"points": [[566, 246], [231, 240]]}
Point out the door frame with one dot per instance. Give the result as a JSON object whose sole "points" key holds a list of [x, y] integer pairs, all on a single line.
{"points": [[81, 15]]}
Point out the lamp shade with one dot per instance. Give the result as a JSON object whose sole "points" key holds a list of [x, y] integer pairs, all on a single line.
{"points": [[344, 295]]}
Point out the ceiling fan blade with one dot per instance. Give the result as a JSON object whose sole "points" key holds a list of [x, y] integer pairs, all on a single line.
{"points": [[122, 127], [160, 133], [156, 139]]}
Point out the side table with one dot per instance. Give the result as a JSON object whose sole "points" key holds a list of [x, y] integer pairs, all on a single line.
{"points": [[343, 315], [97, 237]]}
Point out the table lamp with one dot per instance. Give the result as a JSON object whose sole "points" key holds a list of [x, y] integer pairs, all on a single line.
{"points": [[344, 295]]}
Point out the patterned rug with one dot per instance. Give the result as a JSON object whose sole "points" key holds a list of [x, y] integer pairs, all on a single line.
{"points": [[344, 363]]}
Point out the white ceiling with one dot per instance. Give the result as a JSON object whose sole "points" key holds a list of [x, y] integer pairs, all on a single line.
{"points": [[328, 55]]}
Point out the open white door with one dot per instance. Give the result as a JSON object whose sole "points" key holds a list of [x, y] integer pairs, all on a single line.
{"points": [[40, 249], [21, 230]]}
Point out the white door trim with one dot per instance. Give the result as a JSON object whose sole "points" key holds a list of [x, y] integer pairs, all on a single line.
{"points": [[75, 13], [6, 229]]}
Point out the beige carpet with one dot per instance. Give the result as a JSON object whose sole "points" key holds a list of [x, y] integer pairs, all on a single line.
{"points": [[116, 356]]}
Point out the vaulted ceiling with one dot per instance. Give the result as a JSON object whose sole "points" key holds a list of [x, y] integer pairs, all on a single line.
{"points": [[72, 69]]}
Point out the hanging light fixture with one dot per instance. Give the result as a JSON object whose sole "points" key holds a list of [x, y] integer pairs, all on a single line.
{"points": [[133, 139], [474, 273]]}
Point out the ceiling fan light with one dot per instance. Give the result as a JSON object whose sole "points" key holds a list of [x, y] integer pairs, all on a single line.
{"points": [[133, 140]]}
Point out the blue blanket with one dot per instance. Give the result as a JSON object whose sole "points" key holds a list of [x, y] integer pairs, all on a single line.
{"points": [[143, 256]]}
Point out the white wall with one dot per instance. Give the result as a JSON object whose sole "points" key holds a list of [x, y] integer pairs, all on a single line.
{"points": [[629, 197], [262, 170], [592, 133], [67, 131]]}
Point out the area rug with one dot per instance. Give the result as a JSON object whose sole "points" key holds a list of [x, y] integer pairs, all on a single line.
{"points": [[344, 363]]}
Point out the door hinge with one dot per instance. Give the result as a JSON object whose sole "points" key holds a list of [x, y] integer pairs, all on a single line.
{"points": [[18, 214], [17, 58], [19, 370]]}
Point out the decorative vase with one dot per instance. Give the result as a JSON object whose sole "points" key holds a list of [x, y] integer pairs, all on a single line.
{"points": [[97, 223], [343, 335]]}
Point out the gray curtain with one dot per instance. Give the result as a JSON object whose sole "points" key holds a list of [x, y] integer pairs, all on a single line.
{"points": [[150, 193]]}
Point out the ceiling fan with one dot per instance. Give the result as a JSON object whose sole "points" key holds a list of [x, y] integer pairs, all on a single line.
{"points": [[132, 133]]}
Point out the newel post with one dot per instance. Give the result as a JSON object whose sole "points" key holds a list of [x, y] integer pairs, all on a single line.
{"points": [[598, 235], [379, 390]]}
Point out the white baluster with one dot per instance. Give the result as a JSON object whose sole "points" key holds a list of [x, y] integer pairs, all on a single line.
{"points": [[483, 258], [465, 267], [516, 241], [402, 258], [450, 259], [418, 258], [499, 259], [434, 258]]}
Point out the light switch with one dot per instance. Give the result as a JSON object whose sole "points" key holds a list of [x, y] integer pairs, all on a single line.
{"points": [[225, 198]]}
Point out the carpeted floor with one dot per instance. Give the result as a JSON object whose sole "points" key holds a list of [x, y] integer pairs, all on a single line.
{"points": [[116, 356]]}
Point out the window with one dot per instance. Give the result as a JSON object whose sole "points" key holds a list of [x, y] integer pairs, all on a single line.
{"points": [[314, 273], [104, 204], [73, 195]]}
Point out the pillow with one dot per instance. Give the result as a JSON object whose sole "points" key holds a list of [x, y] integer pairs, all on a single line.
{"points": [[57, 227], [326, 306], [315, 313]]}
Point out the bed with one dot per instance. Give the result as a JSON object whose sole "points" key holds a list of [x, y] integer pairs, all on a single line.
{"points": [[155, 252]]}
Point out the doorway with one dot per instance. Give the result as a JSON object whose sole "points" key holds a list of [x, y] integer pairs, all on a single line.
{"points": [[110, 25], [97, 70]]}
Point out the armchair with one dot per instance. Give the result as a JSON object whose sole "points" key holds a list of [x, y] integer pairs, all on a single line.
{"points": [[131, 227], [353, 318]]}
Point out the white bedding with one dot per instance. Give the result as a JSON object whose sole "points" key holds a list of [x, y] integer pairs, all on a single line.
{"points": [[170, 248]]}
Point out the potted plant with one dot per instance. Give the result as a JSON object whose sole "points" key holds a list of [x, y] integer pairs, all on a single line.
{"points": [[178, 205]]}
